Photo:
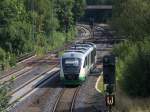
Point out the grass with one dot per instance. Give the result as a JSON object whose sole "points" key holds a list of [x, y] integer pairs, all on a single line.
{"points": [[125, 103], [100, 85], [60, 53]]}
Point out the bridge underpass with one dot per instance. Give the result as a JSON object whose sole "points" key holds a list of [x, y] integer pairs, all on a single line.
{"points": [[100, 13]]}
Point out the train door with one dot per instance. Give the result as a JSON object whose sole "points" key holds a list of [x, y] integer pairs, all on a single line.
{"points": [[87, 62], [86, 65], [90, 61], [95, 55]]}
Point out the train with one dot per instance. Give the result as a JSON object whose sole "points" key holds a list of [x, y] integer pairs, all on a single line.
{"points": [[77, 62]]}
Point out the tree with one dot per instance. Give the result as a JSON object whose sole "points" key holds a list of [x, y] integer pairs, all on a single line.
{"points": [[78, 9], [14, 27], [24, 22], [64, 13], [131, 18]]}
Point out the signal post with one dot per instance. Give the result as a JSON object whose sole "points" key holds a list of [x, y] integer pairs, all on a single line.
{"points": [[109, 80], [91, 23]]}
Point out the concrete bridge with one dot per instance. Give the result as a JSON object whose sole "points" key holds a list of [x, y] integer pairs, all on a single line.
{"points": [[100, 13], [99, 7]]}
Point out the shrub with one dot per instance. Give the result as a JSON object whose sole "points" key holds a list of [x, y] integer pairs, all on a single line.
{"points": [[2, 58], [12, 60], [133, 68], [3, 98]]}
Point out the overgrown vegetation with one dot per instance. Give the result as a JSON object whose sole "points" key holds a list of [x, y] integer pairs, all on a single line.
{"points": [[36, 26], [124, 103], [131, 20], [133, 68], [3, 98]]}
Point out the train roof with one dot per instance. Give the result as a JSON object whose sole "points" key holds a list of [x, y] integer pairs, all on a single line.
{"points": [[76, 50], [72, 55], [83, 45], [88, 44], [79, 50]]}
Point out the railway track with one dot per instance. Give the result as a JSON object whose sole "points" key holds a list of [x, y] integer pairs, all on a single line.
{"points": [[24, 71], [20, 60], [66, 100], [26, 61], [43, 78], [15, 72], [32, 84], [84, 29], [25, 57]]}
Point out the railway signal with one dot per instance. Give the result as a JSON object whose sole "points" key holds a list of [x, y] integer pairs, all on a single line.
{"points": [[109, 69], [91, 23], [109, 80]]}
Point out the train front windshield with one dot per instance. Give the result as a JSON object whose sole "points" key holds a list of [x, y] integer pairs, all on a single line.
{"points": [[71, 65]]}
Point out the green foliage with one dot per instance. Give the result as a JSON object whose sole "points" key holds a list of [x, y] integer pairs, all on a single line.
{"points": [[131, 18], [64, 13], [133, 68], [122, 49], [6, 59], [36, 25], [3, 98], [2, 55], [11, 59], [78, 9]]}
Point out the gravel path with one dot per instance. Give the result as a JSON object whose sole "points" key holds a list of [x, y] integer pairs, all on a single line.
{"points": [[89, 99]]}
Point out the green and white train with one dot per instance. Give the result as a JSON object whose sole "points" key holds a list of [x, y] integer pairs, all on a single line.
{"points": [[77, 62]]}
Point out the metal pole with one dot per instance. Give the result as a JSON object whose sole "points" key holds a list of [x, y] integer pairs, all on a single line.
{"points": [[110, 109]]}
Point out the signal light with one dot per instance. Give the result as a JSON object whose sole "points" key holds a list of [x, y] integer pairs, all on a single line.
{"points": [[109, 69]]}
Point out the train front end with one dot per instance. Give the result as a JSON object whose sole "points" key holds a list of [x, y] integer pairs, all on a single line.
{"points": [[70, 73]]}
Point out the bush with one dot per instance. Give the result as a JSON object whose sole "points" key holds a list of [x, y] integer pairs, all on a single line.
{"points": [[2, 54], [3, 98], [12, 60], [133, 68], [6, 59], [2, 58]]}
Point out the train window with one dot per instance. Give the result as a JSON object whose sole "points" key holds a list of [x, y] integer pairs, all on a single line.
{"points": [[71, 62]]}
